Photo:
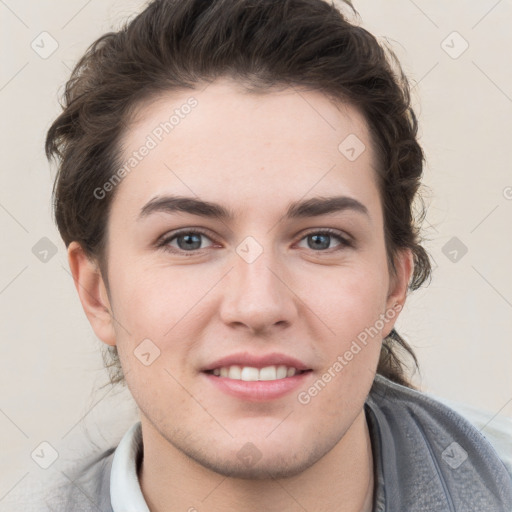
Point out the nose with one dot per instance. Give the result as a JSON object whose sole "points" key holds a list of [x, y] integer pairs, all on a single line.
{"points": [[257, 296]]}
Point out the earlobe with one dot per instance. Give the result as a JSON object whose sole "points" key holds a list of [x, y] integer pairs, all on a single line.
{"points": [[398, 286], [92, 293]]}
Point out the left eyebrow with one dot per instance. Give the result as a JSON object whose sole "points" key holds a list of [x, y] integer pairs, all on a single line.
{"points": [[317, 206], [313, 207]]}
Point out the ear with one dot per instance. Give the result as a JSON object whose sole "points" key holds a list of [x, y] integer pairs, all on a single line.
{"points": [[92, 292], [398, 286]]}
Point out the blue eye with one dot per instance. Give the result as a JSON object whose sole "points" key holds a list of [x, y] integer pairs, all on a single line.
{"points": [[321, 240], [187, 241]]}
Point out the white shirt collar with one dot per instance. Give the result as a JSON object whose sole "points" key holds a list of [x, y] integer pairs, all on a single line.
{"points": [[125, 491]]}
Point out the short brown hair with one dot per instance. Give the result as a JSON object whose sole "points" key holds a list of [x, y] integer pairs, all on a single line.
{"points": [[176, 44]]}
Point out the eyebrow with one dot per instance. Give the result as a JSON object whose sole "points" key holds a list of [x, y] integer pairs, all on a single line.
{"points": [[313, 207]]}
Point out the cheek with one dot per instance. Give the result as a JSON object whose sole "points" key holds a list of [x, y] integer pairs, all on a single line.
{"points": [[352, 299], [158, 311], [351, 349], [153, 300], [352, 309]]}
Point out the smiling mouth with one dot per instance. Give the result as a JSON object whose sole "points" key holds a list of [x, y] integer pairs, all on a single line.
{"points": [[251, 374]]}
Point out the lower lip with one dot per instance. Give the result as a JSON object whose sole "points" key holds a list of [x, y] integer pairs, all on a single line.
{"points": [[259, 390]]}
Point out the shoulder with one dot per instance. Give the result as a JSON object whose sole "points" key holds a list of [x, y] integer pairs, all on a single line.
{"points": [[495, 428], [425, 443], [80, 487], [456, 417]]}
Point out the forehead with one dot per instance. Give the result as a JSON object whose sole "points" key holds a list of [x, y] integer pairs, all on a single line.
{"points": [[225, 144]]}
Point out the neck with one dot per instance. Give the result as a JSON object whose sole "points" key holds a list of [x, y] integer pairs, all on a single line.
{"points": [[341, 481]]}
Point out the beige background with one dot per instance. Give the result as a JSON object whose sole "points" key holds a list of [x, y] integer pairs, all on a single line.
{"points": [[460, 326]]}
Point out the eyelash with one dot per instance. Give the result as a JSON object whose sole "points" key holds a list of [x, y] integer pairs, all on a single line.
{"points": [[164, 243]]}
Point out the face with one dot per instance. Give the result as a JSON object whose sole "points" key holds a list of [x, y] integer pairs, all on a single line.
{"points": [[285, 267]]}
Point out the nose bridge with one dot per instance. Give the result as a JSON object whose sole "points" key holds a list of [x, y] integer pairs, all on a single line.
{"points": [[256, 295], [255, 277]]}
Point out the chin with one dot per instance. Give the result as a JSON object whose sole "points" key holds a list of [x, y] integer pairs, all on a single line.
{"points": [[250, 464]]}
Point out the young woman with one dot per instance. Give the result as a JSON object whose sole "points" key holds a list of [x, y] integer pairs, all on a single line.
{"points": [[235, 189]]}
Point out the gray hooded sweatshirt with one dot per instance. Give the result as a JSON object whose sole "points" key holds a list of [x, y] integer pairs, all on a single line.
{"points": [[427, 458]]}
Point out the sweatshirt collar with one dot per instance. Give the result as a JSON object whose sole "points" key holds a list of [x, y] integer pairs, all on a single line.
{"points": [[125, 492]]}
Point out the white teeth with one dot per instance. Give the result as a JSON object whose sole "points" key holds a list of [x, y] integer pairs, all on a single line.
{"points": [[268, 373], [249, 373], [235, 372], [281, 372], [291, 372]]}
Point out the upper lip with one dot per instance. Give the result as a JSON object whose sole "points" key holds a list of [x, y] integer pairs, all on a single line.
{"points": [[257, 361]]}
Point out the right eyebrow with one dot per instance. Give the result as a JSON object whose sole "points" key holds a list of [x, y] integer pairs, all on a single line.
{"points": [[172, 204]]}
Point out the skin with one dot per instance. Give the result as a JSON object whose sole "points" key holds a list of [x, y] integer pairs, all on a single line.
{"points": [[254, 154]]}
